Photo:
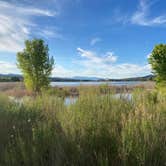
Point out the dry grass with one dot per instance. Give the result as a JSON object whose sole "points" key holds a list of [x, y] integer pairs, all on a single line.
{"points": [[5, 86], [17, 89], [96, 130]]}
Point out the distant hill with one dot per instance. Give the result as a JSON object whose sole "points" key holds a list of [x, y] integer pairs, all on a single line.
{"points": [[10, 75], [17, 77], [79, 78], [87, 78], [144, 78], [10, 78]]}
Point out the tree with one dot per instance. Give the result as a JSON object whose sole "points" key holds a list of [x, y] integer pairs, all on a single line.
{"points": [[157, 60], [35, 64]]}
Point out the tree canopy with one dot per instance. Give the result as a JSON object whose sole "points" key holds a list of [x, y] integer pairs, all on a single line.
{"points": [[35, 64], [158, 63]]}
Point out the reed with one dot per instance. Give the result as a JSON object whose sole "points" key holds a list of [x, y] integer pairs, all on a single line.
{"points": [[98, 129]]}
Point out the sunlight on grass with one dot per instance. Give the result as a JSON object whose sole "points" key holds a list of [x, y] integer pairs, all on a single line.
{"points": [[95, 130]]}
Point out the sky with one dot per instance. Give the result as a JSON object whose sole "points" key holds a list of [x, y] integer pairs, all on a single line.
{"points": [[94, 38]]}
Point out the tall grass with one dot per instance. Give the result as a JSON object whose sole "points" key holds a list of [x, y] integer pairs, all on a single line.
{"points": [[96, 130]]}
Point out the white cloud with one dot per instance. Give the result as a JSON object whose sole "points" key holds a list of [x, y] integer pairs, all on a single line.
{"points": [[60, 71], [148, 56], [11, 68], [118, 17], [142, 15], [49, 33], [25, 10], [94, 41], [16, 24], [108, 57], [104, 66], [87, 68], [8, 68]]}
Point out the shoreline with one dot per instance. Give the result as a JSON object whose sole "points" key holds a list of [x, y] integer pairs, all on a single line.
{"points": [[17, 89]]}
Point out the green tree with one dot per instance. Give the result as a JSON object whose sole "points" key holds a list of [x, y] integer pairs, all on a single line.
{"points": [[35, 64], [158, 63]]}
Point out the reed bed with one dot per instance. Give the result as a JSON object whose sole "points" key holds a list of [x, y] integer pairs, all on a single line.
{"points": [[17, 89], [96, 130]]}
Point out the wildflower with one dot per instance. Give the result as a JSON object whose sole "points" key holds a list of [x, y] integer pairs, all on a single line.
{"points": [[29, 120]]}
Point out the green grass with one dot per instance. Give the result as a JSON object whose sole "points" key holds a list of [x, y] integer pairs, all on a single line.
{"points": [[97, 130]]}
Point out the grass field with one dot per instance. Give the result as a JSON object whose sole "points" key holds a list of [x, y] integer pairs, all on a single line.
{"points": [[97, 130]]}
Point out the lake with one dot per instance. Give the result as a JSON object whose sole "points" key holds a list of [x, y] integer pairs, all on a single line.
{"points": [[114, 83], [71, 100]]}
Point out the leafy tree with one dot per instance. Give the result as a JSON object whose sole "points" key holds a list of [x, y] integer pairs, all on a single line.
{"points": [[15, 79], [35, 64], [158, 63]]}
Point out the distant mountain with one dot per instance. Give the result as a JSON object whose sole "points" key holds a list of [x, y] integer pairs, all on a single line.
{"points": [[62, 79], [87, 78], [144, 78], [76, 79], [10, 75], [17, 77], [10, 78]]}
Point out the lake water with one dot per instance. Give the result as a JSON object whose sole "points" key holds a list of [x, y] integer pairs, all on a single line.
{"points": [[71, 100], [114, 83]]}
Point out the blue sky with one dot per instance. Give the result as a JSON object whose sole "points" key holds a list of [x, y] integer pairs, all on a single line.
{"points": [[102, 38]]}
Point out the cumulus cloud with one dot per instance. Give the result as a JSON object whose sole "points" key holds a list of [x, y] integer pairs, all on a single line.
{"points": [[16, 24], [142, 15], [92, 65], [87, 68], [105, 66]]}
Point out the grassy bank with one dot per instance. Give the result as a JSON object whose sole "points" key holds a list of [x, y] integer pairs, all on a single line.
{"points": [[96, 130]]}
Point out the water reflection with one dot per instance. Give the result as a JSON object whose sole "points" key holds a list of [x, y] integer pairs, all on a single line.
{"points": [[111, 83], [71, 100]]}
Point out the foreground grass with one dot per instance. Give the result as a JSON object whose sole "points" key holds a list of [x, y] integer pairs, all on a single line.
{"points": [[96, 130]]}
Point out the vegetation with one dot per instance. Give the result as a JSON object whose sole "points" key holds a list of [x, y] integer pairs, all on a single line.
{"points": [[99, 130], [9, 79], [17, 89], [35, 64], [158, 63]]}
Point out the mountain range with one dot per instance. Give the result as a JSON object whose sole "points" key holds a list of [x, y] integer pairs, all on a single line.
{"points": [[17, 77]]}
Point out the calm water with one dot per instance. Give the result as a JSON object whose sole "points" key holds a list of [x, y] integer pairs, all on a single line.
{"points": [[116, 83], [71, 100]]}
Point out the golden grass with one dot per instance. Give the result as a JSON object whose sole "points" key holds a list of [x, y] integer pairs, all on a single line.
{"points": [[96, 130]]}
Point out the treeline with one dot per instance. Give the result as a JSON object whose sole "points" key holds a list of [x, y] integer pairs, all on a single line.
{"points": [[10, 79], [7, 78], [145, 78]]}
